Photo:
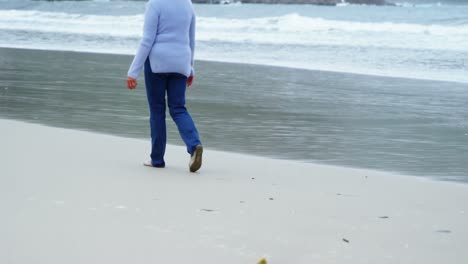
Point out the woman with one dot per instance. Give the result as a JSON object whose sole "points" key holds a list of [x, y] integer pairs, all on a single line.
{"points": [[166, 51]]}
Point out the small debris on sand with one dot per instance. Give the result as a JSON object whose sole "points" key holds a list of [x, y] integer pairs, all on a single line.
{"points": [[444, 231], [208, 210], [345, 240]]}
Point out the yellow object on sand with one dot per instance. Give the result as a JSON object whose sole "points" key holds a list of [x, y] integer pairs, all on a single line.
{"points": [[262, 261]]}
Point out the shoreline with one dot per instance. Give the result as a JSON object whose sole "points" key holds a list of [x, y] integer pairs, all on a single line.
{"points": [[253, 64], [384, 173], [327, 110], [87, 196]]}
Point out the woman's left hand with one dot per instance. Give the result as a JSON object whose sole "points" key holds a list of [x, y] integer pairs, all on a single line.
{"points": [[131, 83]]}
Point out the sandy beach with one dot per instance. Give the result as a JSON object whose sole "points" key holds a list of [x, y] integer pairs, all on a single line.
{"points": [[69, 196], [331, 134]]}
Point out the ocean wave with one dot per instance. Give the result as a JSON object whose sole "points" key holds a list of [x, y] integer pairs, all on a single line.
{"points": [[290, 29], [410, 4], [71, 23], [295, 23], [431, 4]]}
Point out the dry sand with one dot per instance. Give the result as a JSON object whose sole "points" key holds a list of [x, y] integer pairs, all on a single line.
{"points": [[70, 196]]}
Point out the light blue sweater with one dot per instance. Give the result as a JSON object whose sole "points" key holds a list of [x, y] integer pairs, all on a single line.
{"points": [[168, 38]]}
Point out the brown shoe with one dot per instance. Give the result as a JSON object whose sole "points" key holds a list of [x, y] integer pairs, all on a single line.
{"points": [[196, 159]]}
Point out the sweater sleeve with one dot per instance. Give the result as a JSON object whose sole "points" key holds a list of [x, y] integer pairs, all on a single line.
{"points": [[150, 30], [192, 42]]}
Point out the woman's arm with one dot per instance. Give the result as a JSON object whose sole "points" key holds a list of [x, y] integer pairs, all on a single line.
{"points": [[192, 41], [150, 30]]}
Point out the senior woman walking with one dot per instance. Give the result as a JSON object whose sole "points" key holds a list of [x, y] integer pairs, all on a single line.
{"points": [[166, 51]]}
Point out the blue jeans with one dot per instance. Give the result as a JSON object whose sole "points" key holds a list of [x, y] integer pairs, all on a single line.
{"points": [[175, 84]]}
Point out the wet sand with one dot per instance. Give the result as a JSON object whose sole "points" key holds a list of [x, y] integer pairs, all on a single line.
{"points": [[406, 126]]}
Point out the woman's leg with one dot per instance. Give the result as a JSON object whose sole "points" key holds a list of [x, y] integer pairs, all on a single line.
{"points": [[177, 84], [156, 94]]}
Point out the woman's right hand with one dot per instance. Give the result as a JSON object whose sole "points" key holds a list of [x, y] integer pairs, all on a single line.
{"points": [[131, 83], [190, 80]]}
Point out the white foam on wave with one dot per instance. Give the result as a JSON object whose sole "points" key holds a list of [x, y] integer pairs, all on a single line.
{"points": [[291, 29], [426, 5], [291, 41], [299, 30], [124, 26]]}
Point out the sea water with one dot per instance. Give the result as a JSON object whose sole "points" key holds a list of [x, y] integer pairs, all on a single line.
{"points": [[415, 126], [420, 39]]}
